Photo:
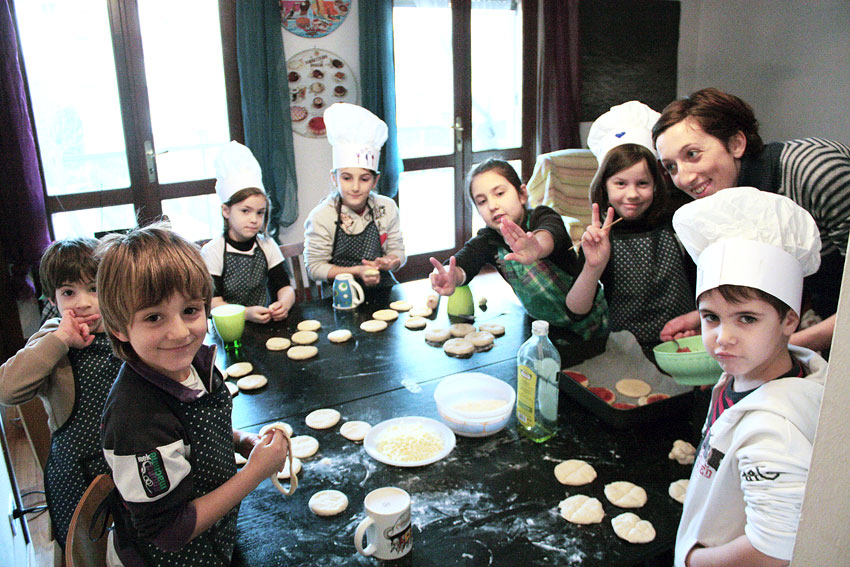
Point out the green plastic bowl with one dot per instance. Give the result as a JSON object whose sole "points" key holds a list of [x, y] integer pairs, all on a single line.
{"points": [[695, 368]]}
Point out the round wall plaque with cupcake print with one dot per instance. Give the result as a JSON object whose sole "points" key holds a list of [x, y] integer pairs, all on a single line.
{"points": [[314, 18], [317, 78]]}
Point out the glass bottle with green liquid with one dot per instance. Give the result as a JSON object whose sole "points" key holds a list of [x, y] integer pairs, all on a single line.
{"points": [[538, 367]]}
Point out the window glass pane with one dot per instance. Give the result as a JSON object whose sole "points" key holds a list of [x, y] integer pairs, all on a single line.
{"points": [[426, 205], [87, 222], [477, 221], [496, 75], [67, 50], [194, 218], [424, 79], [185, 80]]}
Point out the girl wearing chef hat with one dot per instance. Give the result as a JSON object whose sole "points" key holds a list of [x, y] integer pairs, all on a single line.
{"points": [[752, 250], [646, 276], [354, 231], [246, 265]]}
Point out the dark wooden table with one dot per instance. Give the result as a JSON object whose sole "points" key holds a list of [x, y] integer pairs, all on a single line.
{"points": [[492, 501]]}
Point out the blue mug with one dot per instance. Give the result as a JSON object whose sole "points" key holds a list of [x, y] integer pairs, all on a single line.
{"points": [[347, 293]]}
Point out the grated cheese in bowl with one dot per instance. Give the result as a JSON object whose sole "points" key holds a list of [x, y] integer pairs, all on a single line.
{"points": [[409, 442]]}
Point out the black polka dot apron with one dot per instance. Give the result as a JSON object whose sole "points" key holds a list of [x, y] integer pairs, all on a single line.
{"points": [[245, 278], [648, 283], [207, 424], [76, 457], [351, 249]]}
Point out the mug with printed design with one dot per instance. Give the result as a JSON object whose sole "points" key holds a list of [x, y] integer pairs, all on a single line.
{"points": [[387, 526], [347, 293]]}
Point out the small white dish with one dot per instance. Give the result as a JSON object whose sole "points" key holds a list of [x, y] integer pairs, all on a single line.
{"points": [[371, 441]]}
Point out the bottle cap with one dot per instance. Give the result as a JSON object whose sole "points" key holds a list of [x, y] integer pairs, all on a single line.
{"points": [[540, 327]]}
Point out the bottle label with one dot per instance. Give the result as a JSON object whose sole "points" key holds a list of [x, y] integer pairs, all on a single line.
{"points": [[526, 380]]}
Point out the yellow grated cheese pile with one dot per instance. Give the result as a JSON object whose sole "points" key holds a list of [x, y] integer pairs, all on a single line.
{"points": [[409, 442]]}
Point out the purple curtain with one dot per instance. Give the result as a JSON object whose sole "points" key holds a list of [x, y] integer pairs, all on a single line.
{"points": [[23, 223], [559, 78]]}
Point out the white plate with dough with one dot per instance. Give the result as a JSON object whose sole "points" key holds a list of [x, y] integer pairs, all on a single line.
{"points": [[415, 427]]}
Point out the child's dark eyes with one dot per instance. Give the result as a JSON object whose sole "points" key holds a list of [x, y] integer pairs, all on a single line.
{"points": [[748, 319], [153, 318], [710, 317], [692, 154], [67, 292], [191, 310]]}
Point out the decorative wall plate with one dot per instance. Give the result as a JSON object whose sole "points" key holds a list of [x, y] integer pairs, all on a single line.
{"points": [[314, 18], [317, 79]]}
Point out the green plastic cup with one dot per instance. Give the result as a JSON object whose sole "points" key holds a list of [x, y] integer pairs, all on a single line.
{"points": [[229, 322], [461, 303]]}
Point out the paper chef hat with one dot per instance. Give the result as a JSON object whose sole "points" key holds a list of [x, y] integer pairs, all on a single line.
{"points": [[236, 168], [627, 123], [743, 236], [356, 135]]}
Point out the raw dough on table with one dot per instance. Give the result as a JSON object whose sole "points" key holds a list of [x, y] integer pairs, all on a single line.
{"points": [[278, 343], [631, 528], [275, 477], [240, 460], [436, 337], [328, 502], [285, 427], [303, 446], [339, 336], [305, 337], [633, 387], [581, 509], [432, 301], [354, 430], [401, 305], [385, 315], [252, 382], [309, 325], [373, 325], [575, 472], [461, 329], [286, 472], [652, 398], [624, 494], [481, 340], [232, 388], [302, 352], [239, 369], [458, 348], [678, 489], [493, 328], [682, 452], [322, 418], [421, 312], [416, 323]]}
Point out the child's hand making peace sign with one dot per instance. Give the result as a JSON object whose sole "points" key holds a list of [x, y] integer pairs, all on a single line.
{"points": [[444, 279], [596, 242]]}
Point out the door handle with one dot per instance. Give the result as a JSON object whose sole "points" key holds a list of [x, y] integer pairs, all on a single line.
{"points": [[458, 128], [150, 161]]}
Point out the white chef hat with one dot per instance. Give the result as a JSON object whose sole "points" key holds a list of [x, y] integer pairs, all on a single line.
{"points": [[356, 135], [627, 123], [743, 236], [236, 168]]}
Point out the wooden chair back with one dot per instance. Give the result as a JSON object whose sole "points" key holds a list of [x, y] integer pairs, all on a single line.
{"points": [[305, 288], [87, 535]]}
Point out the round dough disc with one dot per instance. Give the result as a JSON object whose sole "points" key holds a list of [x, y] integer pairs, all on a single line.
{"points": [[401, 305], [339, 336], [416, 323], [631, 528], [240, 460], [461, 329], [421, 312], [309, 325], [303, 446], [581, 509], [278, 343], [678, 489], [373, 325], [575, 472], [302, 352], [624, 494], [355, 430], [432, 301], [633, 388], [436, 337], [279, 425], [305, 337], [328, 502], [493, 328], [481, 340], [286, 472], [322, 419], [232, 388], [385, 315], [252, 382], [458, 348], [239, 369]]}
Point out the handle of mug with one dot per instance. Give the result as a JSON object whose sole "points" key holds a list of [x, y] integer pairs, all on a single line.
{"points": [[357, 295], [358, 537]]}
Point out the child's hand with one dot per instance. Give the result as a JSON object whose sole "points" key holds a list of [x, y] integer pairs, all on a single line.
{"points": [[269, 455], [595, 241], [258, 314], [444, 278], [384, 263], [278, 311], [526, 248], [75, 331], [246, 442], [367, 273]]}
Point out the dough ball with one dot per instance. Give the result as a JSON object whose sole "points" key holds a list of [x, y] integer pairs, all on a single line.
{"points": [[302, 352], [309, 325], [240, 460], [401, 305], [372, 272], [286, 472], [437, 336], [581, 509], [328, 502], [421, 312], [322, 418], [305, 337], [355, 430], [232, 388], [678, 489], [252, 382], [432, 301], [633, 387], [458, 348], [493, 328], [385, 315], [461, 329], [575, 472], [279, 425], [339, 336], [278, 343], [481, 340], [373, 325], [631, 528], [624, 494], [303, 446], [682, 452], [239, 369], [416, 323]]}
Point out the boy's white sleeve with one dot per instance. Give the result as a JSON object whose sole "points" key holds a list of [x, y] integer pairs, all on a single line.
{"points": [[150, 476]]}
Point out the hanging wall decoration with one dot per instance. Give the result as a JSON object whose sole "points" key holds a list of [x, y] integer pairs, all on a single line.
{"points": [[313, 18], [317, 78]]}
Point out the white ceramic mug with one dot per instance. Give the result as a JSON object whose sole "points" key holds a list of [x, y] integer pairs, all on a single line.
{"points": [[347, 293], [387, 524]]}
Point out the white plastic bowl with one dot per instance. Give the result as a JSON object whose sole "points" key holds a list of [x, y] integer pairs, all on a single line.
{"points": [[472, 387]]}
